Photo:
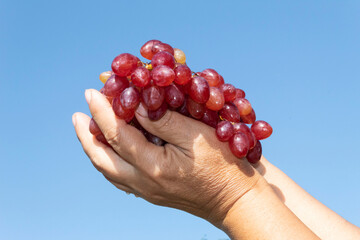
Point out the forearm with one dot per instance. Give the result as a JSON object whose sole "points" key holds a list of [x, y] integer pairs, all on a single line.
{"points": [[260, 214], [320, 219]]}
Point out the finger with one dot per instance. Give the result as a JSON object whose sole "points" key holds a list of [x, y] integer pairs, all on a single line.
{"points": [[103, 157], [125, 139], [173, 127]]}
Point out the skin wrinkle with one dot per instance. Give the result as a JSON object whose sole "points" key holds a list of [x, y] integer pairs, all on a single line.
{"points": [[181, 170], [187, 153], [163, 197], [247, 192], [112, 135], [215, 181], [222, 173], [224, 203], [211, 215], [158, 169]]}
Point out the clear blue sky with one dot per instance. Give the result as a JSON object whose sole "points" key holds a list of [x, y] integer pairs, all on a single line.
{"points": [[297, 61]]}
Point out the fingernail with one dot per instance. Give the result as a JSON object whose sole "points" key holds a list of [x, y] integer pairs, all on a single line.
{"points": [[88, 95], [74, 119]]}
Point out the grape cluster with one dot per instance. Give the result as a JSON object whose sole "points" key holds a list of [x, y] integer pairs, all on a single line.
{"points": [[167, 83]]}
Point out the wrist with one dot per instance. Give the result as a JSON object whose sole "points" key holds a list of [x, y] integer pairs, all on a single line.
{"points": [[241, 181], [260, 214], [231, 220]]}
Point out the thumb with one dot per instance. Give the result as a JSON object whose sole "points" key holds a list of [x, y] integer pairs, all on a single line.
{"points": [[173, 127]]}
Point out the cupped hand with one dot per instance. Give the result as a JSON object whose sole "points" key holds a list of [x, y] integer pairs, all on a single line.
{"points": [[193, 172]]}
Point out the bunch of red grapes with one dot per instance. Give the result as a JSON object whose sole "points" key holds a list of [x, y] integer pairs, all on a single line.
{"points": [[167, 83]]}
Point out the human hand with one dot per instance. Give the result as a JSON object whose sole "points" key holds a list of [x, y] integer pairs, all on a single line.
{"points": [[194, 172]]}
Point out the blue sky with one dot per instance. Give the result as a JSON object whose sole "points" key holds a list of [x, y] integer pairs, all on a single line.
{"points": [[297, 61]]}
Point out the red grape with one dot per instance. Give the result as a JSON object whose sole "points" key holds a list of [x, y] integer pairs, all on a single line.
{"points": [[140, 77], [211, 76], [181, 88], [261, 129], [229, 92], [94, 128], [254, 155], [153, 96], [239, 93], [115, 85], [216, 100], [199, 90], [224, 131], [121, 112], [243, 105], [239, 144], [108, 98], [137, 125], [162, 47], [195, 109], [174, 96], [230, 113], [183, 109], [101, 138], [241, 127], [210, 118], [146, 49], [130, 98], [162, 75], [250, 118], [155, 115], [163, 58], [154, 139], [221, 81], [150, 137], [139, 63], [182, 74], [124, 64]]}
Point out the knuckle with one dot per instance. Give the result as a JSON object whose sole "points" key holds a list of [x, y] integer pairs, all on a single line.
{"points": [[112, 135], [156, 174]]}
